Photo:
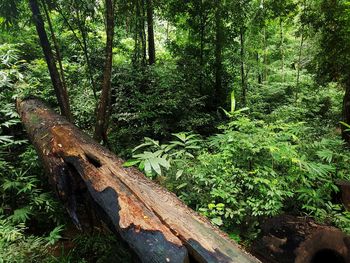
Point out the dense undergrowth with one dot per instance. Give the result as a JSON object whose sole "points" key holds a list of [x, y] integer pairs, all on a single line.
{"points": [[278, 150], [254, 167]]}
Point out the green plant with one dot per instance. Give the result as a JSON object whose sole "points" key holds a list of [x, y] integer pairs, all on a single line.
{"points": [[18, 247], [164, 155], [100, 248], [23, 201], [253, 170], [347, 126]]}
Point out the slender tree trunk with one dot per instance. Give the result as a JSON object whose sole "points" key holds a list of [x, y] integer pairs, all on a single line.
{"points": [[167, 31], [201, 55], [259, 78], [143, 33], [282, 48], [219, 94], [82, 29], [298, 66], [57, 48], [88, 63], [136, 38], [151, 46], [104, 103], [346, 113], [243, 82], [60, 90], [265, 78], [83, 48]]}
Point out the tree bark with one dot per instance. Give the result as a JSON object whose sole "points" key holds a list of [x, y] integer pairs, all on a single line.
{"points": [[258, 73], [346, 113], [61, 92], [265, 56], [136, 55], [243, 78], [151, 46], [143, 33], [219, 94], [83, 48], [156, 225], [201, 51], [104, 103], [299, 64], [282, 48], [56, 46], [84, 35]]}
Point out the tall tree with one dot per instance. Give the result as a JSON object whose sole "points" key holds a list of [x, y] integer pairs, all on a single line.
{"points": [[140, 49], [219, 39], [76, 15], [55, 44], [103, 107], [151, 46], [240, 12], [243, 74], [60, 90]]}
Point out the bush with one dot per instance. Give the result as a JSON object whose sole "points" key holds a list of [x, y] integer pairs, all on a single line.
{"points": [[253, 170]]}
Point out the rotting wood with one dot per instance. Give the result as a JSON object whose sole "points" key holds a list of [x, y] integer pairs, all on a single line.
{"points": [[156, 225], [291, 239]]}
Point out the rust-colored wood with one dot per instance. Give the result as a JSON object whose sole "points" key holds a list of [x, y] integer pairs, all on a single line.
{"points": [[156, 225]]}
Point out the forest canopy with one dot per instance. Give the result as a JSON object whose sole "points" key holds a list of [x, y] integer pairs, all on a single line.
{"points": [[239, 107]]}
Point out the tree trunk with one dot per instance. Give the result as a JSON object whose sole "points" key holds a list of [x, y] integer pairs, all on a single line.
{"points": [[84, 34], [61, 92], [55, 43], [104, 103], [291, 239], [346, 113], [156, 225], [143, 33], [265, 56], [258, 73], [282, 48], [167, 31], [201, 51], [151, 46], [83, 48], [299, 64], [219, 94], [243, 79], [135, 58]]}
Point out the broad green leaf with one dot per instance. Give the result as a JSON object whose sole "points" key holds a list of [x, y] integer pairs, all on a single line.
{"points": [[217, 221], [233, 102], [178, 174], [131, 162]]}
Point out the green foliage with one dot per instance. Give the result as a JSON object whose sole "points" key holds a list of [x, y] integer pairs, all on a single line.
{"points": [[98, 248], [165, 155], [23, 199], [15, 246], [279, 152], [255, 169], [18, 247], [154, 102], [347, 126]]}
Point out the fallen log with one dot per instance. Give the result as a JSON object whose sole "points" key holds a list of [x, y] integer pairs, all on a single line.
{"points": [[154, 223], [292, 239]]}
